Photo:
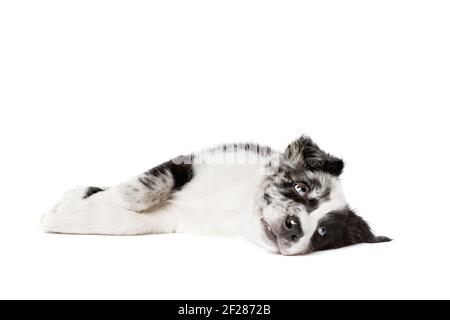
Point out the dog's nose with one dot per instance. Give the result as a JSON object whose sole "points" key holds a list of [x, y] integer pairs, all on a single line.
{"points": [[291, 230]]}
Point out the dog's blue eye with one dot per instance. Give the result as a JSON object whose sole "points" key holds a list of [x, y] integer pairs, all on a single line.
{"points": [[322, 231], [302, 189]]}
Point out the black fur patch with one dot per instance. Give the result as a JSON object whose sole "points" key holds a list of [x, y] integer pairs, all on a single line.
{"points": [[343, 228], [92, 190], [311, 204], [305, 152], [180, 169]]}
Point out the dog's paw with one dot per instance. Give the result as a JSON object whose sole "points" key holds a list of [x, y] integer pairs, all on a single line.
{"points": [[60, 215], [47, 217]]}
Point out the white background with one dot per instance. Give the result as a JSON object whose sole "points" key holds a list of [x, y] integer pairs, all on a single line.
{"points": [[94, 92]]}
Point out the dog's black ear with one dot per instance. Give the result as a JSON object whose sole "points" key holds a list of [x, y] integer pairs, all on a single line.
{"points": [[381, 239], [358, 231], [304, 151]]}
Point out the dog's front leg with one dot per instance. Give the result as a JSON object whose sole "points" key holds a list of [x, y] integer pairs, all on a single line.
{"points": [[155, 187], [116, 210]]}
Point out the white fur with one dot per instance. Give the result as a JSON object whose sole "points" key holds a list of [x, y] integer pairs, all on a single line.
{"points": [[100, 214]]}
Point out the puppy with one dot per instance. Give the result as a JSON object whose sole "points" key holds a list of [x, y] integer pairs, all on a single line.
{"points": [[288, 202]]}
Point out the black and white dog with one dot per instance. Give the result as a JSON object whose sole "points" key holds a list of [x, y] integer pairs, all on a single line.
{"points": [[290, 202]]}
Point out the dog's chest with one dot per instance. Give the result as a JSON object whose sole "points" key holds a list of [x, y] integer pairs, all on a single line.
{"points": [[219, 199]]}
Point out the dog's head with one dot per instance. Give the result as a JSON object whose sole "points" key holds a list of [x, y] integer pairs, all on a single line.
{"points": [[302, 207]]}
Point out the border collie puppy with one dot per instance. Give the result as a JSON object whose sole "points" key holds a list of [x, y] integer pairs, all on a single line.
{"points": [[288, 202]]}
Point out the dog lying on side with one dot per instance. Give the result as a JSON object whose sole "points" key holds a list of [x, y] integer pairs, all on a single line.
{"points": [[290, 203]]}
